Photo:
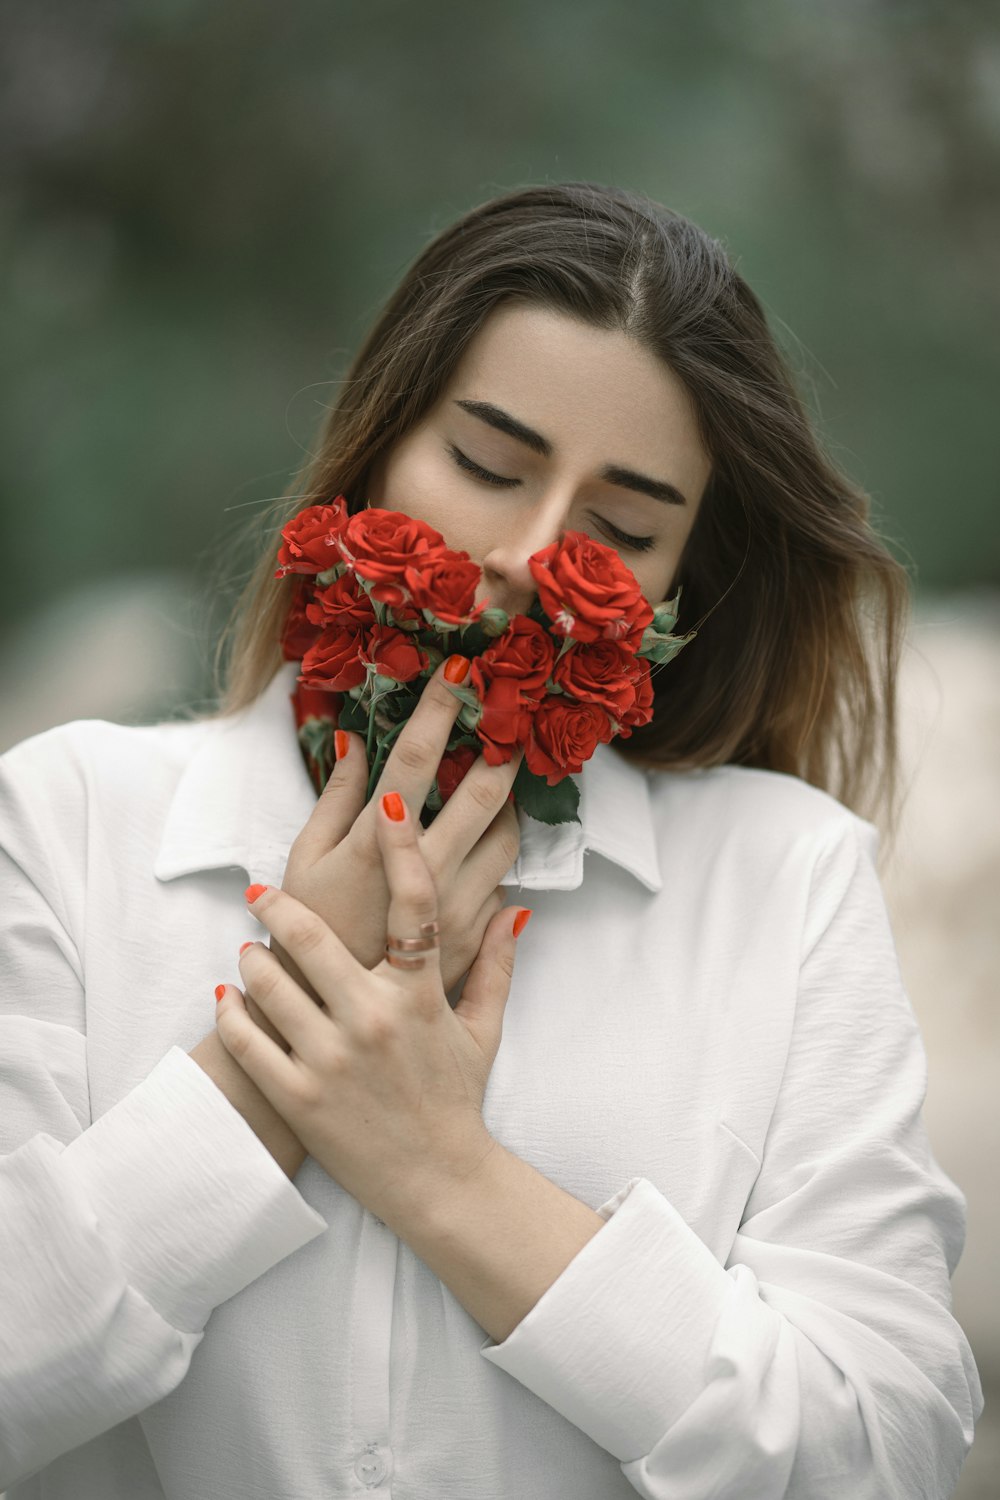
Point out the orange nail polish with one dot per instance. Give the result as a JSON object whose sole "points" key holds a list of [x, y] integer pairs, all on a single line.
{"points": [[521, 920], [392, 806], [220, 990], [340, 743], [245, 946], [253, 891], [456, 668]]}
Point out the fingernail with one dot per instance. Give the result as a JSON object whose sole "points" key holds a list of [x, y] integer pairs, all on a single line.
{"points": [[220, 990], [340, 743], [456, 667], [245, 946], [510, 796], [392, 806], [521, 920], [253, 891]]}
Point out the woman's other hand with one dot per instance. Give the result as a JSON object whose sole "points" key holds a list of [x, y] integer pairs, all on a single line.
{"points": [[383, 1083], [335, 865]]}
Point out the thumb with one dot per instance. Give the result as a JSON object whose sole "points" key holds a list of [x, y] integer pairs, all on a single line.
{"points": [[487, 989], [340, 801]]}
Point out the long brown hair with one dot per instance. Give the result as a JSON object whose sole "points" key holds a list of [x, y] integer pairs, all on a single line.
{"points": [[802, 609]]}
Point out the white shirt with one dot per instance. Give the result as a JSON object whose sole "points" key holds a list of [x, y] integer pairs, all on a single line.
{"points": [[706, 1040]]}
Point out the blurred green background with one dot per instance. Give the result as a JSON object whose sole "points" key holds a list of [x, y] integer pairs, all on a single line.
{"points": [[203, 205]]}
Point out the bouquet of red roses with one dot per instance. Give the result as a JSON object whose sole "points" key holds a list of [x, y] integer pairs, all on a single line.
{"points": [[380, 600]]}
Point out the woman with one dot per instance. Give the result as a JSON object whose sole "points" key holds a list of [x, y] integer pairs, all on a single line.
{"points": [[688, 1199]]}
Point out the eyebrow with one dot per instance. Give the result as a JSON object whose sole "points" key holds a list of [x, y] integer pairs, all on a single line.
{"points": [[626, 479]]}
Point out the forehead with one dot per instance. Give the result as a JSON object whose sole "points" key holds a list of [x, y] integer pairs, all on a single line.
{"points": [[593, 392]]}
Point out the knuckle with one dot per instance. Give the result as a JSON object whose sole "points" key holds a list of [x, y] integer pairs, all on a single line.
{"points": [[378, 1026], [506, 963], [417, 890], [304, 934], [413, 752], [510, 848], [307, 1091], [483, 793], [237, 1045], [266, 985]]}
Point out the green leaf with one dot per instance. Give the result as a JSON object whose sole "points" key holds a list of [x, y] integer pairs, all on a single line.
{"points": [[474, 640], [442, 627], [494, 621], [464, 694], [663, 648], [547, 804], [353, 717]]}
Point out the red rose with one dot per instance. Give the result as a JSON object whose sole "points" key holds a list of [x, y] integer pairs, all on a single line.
{"points": [[298, 633], [642, 710], [393, 653], [315, 703], [453, 768], [600, 672], [309, 539], [378, 544], [525, 651], [333, 661], [588, 592], [341, 603], [445, 583], [505, 720], [564, 735]]}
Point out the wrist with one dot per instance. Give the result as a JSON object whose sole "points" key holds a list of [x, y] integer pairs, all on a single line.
{"points": [[425, 1205], [271, 1129]]}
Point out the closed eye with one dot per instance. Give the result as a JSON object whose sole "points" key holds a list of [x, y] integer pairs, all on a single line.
{"points": [[637, 543]]}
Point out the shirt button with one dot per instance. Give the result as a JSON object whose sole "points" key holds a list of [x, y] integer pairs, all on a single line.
{"points": [[371, 1467]]}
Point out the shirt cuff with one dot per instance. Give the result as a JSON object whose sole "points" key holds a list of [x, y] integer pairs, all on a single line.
{"points": [[193, 1203], [619, 1343]]}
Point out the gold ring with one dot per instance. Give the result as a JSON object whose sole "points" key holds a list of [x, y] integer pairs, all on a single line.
{"points": [[413, 962], [411, 945]]}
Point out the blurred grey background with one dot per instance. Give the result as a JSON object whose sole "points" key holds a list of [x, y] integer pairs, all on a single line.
{"points": [[202, 206]]}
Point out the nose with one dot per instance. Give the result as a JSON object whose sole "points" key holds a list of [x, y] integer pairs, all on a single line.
{"points": [[508, 583]]}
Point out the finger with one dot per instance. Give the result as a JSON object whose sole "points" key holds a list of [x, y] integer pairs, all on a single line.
{"points": [[341, 800], [413, 900], [413, 760], [324, 961], [473, 808], [486, 991], [263, 1061], [283, 1003], [491, 857]]}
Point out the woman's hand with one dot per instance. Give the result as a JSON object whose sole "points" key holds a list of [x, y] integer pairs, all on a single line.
{"points": [[335, 867], [384, 1082]]}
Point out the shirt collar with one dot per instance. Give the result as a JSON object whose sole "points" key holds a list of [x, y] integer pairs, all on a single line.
{"points": [[245, 795]]}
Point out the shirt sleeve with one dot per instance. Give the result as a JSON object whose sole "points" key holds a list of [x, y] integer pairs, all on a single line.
{"points": [[117, 1237], [822, 1359]]}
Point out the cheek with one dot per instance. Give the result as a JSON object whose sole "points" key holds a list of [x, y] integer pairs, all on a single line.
{"points": [[424, 484]]}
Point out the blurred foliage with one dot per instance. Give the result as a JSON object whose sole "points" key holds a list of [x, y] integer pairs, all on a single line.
{"points": [[203, 205]]}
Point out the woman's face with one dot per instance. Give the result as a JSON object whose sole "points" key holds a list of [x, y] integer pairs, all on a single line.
{"points": [[599, 422]]}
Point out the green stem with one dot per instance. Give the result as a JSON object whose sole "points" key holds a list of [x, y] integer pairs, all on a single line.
{"points": [[380, 757], [371, 730]]}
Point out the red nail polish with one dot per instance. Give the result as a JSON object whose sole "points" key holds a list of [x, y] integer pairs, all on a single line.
{"points": [[392, 806], [245, 946], [220, 990], [456, 668], [340, 743], [521, 920], [253, 891]]}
